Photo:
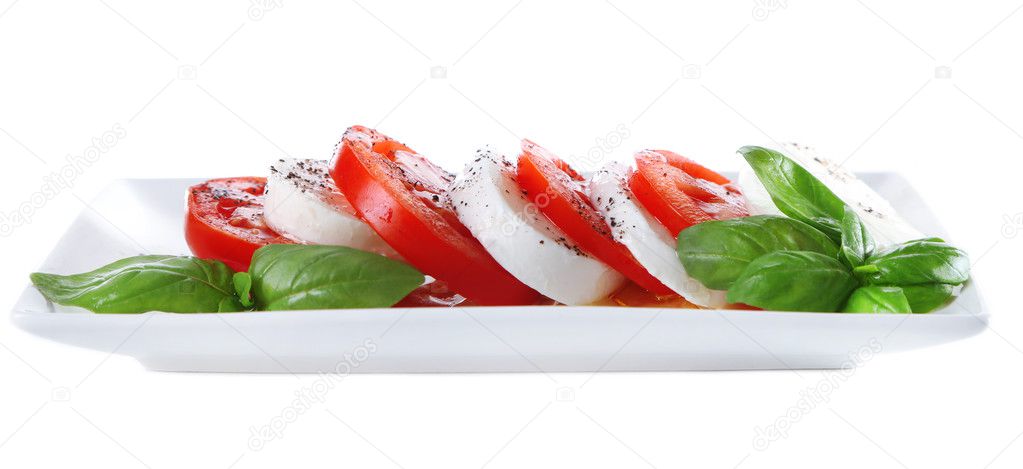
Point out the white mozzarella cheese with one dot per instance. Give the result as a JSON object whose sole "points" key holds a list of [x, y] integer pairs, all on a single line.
{"points": [[492, 206], [650, 242], [303, 203], [882, 221]]}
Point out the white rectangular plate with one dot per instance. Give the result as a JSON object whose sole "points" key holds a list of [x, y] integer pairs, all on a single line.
{"points": [[146, 216]]}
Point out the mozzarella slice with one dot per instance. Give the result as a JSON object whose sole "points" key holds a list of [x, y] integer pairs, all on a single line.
{"points": [[302, 203], [650, 242], [882, 221], [491, 205]]}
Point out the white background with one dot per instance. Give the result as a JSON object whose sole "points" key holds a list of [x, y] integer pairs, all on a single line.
{"points": [[220, 88]]}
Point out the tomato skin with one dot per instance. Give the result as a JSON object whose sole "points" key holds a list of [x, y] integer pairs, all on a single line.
{"points": [[632, 295], [691, 167], [224, 221], [675, 217], [680, 193], [401, 196], [432, 294], [559, 194]]}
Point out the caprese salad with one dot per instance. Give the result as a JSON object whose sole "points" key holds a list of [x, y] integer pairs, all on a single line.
{"points": [[380, 225]]}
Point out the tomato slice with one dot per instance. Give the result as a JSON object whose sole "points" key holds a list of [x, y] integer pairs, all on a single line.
{"points": [[634, 296], [225, 221], [560, 194], [433, 293], [680, 193], [402, 196]]}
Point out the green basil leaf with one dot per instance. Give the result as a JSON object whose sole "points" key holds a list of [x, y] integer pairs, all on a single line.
{"points": [[857, 244], [717, 252], [796, 192], [292, 276], [917, 262], [927, 297], [243, 288], [145, 283], [794, 281], [877, 299]]}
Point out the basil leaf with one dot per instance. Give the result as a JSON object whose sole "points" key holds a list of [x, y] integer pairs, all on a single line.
{"points": [[796, 192], [928, 297], [877, 299], [857, 243], [717, 252], [242, 282], [794, 281], [145, 283], [288, 277], [917, 262]]}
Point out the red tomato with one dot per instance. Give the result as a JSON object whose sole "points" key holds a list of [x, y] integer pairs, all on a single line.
{"points": [[560, 194], [432, 294], [634, 296], [401, 195], [225, 221], [680, 193]]}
